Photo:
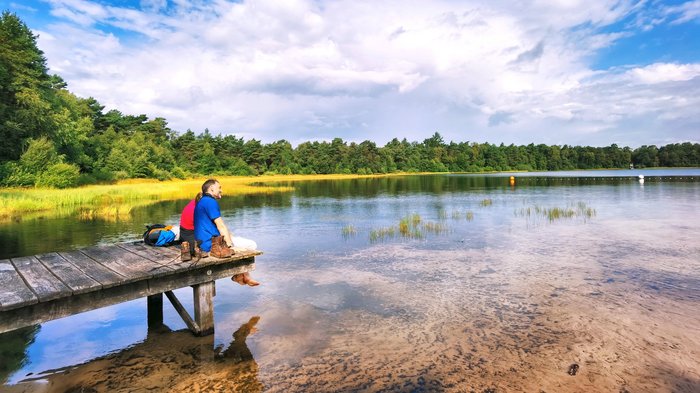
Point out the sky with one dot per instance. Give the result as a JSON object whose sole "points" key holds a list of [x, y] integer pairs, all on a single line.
{"points": [[576, 72]]}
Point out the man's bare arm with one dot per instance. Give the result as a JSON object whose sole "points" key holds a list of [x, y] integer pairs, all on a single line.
{"points": [[223, 230]]}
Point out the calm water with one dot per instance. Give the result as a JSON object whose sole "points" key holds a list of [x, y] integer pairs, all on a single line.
{"points": [[489, 292]]}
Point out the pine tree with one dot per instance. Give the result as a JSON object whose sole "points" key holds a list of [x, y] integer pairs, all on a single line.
{"points": [[25, 87]]}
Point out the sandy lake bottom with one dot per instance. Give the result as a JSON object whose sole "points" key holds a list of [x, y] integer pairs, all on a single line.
{"points": [[620, 314]]}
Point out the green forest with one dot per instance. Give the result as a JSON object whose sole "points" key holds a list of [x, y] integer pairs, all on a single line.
{"points": [[52, 138]]}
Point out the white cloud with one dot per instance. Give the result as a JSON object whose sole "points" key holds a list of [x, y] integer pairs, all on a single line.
{"points": [[302, 70], [686, 12], [79, 11], [665, 72]]}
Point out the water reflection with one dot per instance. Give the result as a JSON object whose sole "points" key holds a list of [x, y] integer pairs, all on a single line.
{"points": [[393, 186], [440, 184], [39, 236], [164, 361], [13, 349], [238, 349]]}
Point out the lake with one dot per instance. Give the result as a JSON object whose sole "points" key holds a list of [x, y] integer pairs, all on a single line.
{"points": [[562, 282]]}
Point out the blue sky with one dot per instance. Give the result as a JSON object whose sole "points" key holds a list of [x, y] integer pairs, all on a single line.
{"points": [[556, 72]]}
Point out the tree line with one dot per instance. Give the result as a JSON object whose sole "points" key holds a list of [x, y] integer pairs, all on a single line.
{"points": [[50, 137]]}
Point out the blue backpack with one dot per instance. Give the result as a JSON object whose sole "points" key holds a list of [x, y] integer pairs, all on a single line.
{"points": [[159, 235]]}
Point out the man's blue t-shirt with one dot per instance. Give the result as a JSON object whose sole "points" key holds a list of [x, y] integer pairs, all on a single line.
{"points": [[205, 212]]}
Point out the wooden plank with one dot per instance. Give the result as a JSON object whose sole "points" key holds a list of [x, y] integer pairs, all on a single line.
{"points": [[67, 306], [191, 324], [13, 290], [161, 255], [39, 279], [70, 275], [146, 266], [107, 259], [204, 307], [128, 264], [203, 274], [172, 251], [242, 257], [105, 276], [63, 307]]}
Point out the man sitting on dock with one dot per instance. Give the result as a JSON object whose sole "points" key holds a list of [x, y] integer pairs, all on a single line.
{"points": [[210, 230]]}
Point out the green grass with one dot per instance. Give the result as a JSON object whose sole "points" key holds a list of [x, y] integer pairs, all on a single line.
{"points": [[457, 215], [409, 227], [408, 224], [116, 201], [349, 231], [376, 235], [434, 227], [578, 210]]}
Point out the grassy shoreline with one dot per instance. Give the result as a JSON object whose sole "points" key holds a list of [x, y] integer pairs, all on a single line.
{"points": [[112, 201]]}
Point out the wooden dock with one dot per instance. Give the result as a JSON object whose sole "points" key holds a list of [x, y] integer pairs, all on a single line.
{"points": [[40, 288]]}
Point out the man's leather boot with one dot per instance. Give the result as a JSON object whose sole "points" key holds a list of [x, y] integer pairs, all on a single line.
{"points": [[219, 248], [185, 252]]}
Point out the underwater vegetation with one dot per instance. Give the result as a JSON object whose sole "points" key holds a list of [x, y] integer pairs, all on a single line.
{"points": [[413, 226], [577, 210], [409, 227], [349, 231], [486, 202]]}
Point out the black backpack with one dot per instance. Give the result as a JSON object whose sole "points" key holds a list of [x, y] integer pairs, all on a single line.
{"points": [[150, 237]]}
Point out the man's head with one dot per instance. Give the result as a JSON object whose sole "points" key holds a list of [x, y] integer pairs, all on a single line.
{"points": [[213, 188]]}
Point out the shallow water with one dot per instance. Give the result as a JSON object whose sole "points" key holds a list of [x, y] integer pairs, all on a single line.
{"points": [[501, 301]]}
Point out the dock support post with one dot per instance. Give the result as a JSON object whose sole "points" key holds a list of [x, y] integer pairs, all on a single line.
{"points": [[204, 307], [155, 310]]}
